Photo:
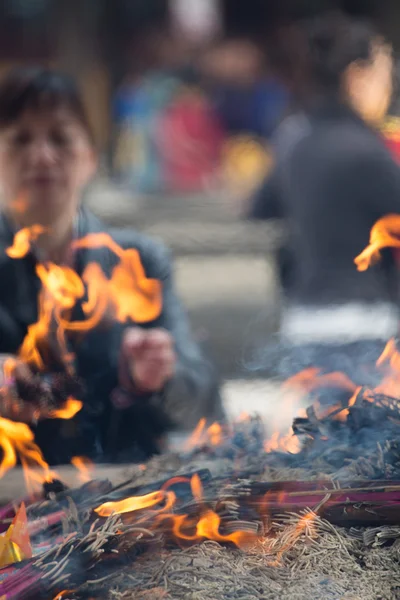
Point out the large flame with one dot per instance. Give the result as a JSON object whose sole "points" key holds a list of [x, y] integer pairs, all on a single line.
{"points": [[128, 295], [17, 441], [384, 234], [182, 527]]}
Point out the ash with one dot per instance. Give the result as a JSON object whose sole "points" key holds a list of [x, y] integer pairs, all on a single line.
{"points": [[330, 529]]}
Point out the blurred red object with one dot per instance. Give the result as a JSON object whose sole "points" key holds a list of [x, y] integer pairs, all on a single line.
{"points": [[190, 141], [391, 134], [394, 146]]}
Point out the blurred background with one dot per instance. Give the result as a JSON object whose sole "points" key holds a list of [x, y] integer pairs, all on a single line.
{"points": [[183, 103]]}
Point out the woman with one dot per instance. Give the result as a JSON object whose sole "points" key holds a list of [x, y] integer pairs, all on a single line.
{"points": [[138, 380], [333, 180]]}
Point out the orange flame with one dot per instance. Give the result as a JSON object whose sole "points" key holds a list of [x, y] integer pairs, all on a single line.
{"points": [[23, 240], [197, 435], [68, 411], [389, 363], [312, 379], [85, 467], [128, 294], [183, 527], [17, 441], [215, 434], [306, 526], [283, 443], [135, 503], [212, 436], [208, 528], [197, 488], [384, 234]]}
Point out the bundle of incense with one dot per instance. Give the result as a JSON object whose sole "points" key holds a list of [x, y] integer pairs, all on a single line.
{"points": [[27, 399], [67, 566]]}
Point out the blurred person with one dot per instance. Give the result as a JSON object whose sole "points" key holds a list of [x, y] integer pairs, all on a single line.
{"points": [[246, 97], [334, 178], [140, 382], [169, 136]]}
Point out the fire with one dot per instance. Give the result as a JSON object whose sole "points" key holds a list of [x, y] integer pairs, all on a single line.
{"points": [[197, 435], [299, 386], [136, 503], [127, 294], [130, 292], [23, 240], [283, 443], [17, 441], [202, 435], [84, 466], [197, 488], [305, 526], [208, 528], [311, 379], [68, 411], [183, 527], [215, 434], [384, 234]]}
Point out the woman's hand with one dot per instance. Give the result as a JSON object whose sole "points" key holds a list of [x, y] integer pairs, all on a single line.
{"points": [[151, 358]]}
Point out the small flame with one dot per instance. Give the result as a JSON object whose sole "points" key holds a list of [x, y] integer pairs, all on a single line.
{"points": [[68, 411], [23, 240], [207, 528], [197, 488], [215, 434], [197, 435], [384, 234], [311, 379], [136, 503], [85, 467], [283, 443], [389, 363], [305, 526], [211, 436]]}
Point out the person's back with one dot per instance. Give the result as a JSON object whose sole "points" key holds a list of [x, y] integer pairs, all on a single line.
{"points": [[337, 181], [334, 178]]}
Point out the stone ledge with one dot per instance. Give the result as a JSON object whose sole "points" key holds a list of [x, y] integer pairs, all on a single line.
{"points": [[206, 238]]}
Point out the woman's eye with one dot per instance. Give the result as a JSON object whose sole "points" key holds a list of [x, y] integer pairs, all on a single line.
{"points": [[60, 138], [22, 138]]}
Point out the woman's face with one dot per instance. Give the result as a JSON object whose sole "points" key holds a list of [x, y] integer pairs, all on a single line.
{"points": [[370, 86], [45, 160]]}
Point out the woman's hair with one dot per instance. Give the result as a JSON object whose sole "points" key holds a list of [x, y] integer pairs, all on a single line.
{"points": [[37, 88], [334, 42], [313, 54]]}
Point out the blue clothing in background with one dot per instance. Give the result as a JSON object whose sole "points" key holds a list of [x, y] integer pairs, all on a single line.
{"points": [[257, 110]]}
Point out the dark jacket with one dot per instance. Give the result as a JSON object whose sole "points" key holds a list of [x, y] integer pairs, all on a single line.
{"points": [[333, 180], [103, 430]]}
